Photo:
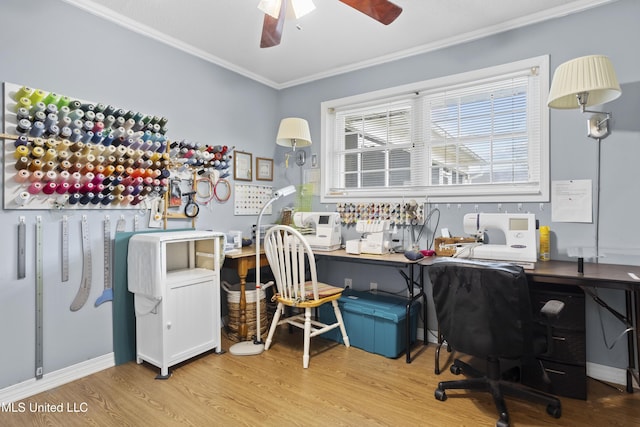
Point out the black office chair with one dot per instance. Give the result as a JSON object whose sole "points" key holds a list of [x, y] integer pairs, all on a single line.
{"points": [[483, 310]]}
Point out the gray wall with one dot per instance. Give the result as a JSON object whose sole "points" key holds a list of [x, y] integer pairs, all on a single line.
{"points": [[56, 47], [89, 58], [610, 30]]}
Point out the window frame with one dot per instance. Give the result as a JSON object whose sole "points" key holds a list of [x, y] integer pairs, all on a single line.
{"points": [[529, 192]]}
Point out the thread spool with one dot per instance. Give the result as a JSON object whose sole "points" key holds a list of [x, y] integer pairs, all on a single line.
{"points": [[37, 129], [21, 151], [37, 152], [63, 187], [76, 177], [49, 166], [23, 126], [35, 165], [97, 198], [64, 101], [75, 188], [86, 198], [21, 176], [36, 176], [87, 187], [63, 155], [62, 199], [49, 188], [64, 176], [22, 198], [74, 198], [24, 91], [108, 199], [50, 154], [76, 135], [64, 165], [35, 188], [50, 176]]}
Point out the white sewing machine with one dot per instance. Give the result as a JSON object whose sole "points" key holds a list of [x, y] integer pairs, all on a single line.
{"points": [[520, 234], [321, 229], [376, 238]]}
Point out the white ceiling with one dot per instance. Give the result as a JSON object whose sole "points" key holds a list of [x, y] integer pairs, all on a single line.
{"points": [[332, 39]]}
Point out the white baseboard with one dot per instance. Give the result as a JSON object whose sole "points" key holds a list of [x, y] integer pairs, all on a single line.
{"points": [[609, 374], [54, 379]]}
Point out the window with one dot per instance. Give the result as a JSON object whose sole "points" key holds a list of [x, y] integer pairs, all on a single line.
{"points": [[480, 136]]}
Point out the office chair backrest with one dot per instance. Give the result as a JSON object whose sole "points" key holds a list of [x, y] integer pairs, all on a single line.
{"points": [[289, 255], [483, 308]]}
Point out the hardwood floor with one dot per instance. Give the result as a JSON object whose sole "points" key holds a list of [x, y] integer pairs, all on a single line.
{"points": [[342, 387]]}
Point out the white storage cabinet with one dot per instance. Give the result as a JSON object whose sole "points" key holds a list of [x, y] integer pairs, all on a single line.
{"points": [[183, 302]]}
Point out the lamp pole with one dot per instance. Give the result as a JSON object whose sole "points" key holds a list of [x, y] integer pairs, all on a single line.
{"points": [[248, 348]]}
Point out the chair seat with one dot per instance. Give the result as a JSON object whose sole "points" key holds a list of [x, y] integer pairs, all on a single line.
{"points": [[326, 293]]}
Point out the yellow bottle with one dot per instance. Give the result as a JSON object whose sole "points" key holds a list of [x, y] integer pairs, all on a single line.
{"points": [[545, 254]]}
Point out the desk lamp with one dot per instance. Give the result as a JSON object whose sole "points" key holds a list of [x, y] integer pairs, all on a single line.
{"points": [[581, 83], [249, 348], [294, 132]]}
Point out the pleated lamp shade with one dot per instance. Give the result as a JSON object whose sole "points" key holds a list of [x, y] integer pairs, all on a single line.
{"points": [[592, 74], [294, 132]]}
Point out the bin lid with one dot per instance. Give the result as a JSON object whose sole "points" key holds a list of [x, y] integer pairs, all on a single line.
{"points": [[376, 305]]}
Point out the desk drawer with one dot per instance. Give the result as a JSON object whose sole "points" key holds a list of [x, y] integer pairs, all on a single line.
{"points": [[564, 379], [572, 315], [568, 346]]}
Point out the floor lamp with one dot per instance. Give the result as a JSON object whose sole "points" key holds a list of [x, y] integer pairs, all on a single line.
{"points": [[249, 348], [581, 83]]}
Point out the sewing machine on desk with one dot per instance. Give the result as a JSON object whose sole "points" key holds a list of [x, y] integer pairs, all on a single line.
{"points": [[520, 233], [376, 238], [321, 229]]}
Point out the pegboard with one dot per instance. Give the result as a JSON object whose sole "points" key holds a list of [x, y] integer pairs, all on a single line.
{"points": [[62, 152], [250, 198]]}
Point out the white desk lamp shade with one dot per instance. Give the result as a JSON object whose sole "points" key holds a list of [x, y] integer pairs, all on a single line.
{"points": [[593, 75], [293, 132]]}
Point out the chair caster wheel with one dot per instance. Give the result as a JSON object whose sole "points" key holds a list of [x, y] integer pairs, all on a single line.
{"points": [[455, 370], [440, 395], [502, 423], [554, 411]]}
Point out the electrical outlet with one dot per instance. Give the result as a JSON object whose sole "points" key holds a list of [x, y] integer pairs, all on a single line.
{"points": [[347, 282], [373, 286]]}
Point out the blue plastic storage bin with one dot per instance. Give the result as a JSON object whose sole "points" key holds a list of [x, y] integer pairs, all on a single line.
{"points": [[374, 322]]}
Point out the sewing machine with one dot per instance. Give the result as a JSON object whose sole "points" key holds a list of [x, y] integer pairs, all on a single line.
{"points": [[376, 238], [519, 230], [321, 229]]}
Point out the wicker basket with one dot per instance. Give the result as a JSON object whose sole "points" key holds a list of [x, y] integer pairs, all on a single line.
{"points": [[447, 246], [233, 304]]}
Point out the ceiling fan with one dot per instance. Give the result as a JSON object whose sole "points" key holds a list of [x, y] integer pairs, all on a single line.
{"points": [[275, 12]]}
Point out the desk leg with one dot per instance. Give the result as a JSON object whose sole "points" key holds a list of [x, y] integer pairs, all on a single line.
{"points": [[412, 298], [631, 302], [242, 327]]}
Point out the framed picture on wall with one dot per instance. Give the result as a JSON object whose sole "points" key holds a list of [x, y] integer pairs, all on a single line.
{"points": [[264, 169], [242, 166]]}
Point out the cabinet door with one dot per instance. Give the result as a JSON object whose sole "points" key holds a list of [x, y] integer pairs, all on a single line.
{"points": [[191, 309]]}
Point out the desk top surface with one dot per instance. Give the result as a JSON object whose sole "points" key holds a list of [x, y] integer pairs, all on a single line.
{"points": [[393, 258], [605, 275]]}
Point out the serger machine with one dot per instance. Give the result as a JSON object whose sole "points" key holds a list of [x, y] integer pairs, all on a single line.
{"points": [[376, 237], [519, 230], [321, 229]]}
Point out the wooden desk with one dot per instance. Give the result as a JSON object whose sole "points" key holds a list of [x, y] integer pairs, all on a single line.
{"points": [[243, 261], [611, 276]]}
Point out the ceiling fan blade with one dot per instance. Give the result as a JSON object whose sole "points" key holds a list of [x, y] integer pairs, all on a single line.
{"points": [[382, 11], [272, 27]]}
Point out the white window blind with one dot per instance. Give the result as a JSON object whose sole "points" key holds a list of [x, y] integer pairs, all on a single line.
{"points": [[477, 136], [378, 148]]}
